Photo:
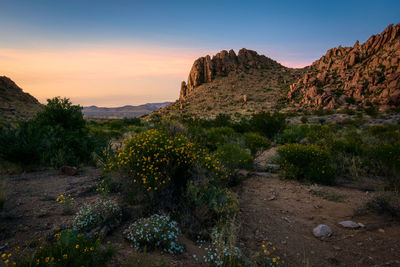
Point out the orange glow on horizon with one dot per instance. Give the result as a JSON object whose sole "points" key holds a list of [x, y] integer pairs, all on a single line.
{"points": [[113, 76]]}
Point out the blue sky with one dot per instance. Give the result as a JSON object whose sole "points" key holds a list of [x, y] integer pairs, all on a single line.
{"points": [[294, 33]]}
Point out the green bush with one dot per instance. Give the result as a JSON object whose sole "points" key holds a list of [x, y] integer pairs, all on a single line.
{"points": [[306, 163], [267, 124], [293, 134], [385, 158], [215, 201], [23, 144], [234, 157], [69, 249], [256, 142], [317, 132], [154, 232]]}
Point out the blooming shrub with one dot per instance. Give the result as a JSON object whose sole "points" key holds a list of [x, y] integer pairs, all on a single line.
{"points": [[69, 249], [267, 257], [256, 142], [305, 163], [152, 158], [90, 217], [221, 252], [233, 157], [154, 232]]}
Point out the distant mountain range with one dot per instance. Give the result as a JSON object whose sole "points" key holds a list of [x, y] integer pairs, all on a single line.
{"points": [[122, 112]]}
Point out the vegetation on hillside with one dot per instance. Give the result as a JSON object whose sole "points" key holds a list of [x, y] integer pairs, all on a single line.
{"points": [[183, 173]]}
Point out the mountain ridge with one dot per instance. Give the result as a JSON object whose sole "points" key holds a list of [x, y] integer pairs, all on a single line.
{"points": [[16, 104], [127, 111]]}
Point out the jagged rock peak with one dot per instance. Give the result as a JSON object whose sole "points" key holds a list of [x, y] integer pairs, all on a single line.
{"points": [[360, 75], [205, 69]]}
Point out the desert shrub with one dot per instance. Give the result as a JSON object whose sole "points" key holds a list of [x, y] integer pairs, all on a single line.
{"points": [[69, 249], [23, 144], [383, 133], [172, 127], [306, 163], [155, 232], [221, 120], [215, 201], [350, 143], [388, 203], [234, 157], [267, 124], [152, 159], [268, 255], [215, 137], [292, 134], [256, 142], [386, 159], [66, 135], [304, 119], [317, 132], [223, 250], [3, 197], [103, 212]]}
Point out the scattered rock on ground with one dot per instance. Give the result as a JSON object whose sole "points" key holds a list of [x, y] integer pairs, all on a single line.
{"points": [[349, 224], [322, 231]]}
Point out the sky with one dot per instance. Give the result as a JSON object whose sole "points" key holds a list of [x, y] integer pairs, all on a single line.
{"points": [[115, 53]]}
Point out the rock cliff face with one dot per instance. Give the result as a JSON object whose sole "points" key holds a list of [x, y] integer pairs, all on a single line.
{"points": [[366, 74], [205, 69], [14, 103]]}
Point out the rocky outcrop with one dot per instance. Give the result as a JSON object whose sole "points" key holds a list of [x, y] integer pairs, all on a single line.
{"points": [[366, 74], [205, 69], [14, 103]]}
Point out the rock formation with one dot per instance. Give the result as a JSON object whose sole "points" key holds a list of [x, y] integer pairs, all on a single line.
{"points": [[205, 69], [366, 74]]}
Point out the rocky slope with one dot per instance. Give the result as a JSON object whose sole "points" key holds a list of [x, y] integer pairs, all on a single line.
{"points": [[234, 84], [14, 103], [122, 112], [366, 74]]}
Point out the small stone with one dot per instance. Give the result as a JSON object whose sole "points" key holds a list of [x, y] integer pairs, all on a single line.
{"points": [[272, 198], [361, 225], [349, 224], [336, 247], [381, 230], [322, 231]]}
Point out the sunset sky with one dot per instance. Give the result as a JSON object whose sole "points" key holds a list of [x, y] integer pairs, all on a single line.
{"points": [[114, 53]]}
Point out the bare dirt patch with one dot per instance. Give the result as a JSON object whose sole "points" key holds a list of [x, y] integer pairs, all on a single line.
{"points": [[285, 213]]}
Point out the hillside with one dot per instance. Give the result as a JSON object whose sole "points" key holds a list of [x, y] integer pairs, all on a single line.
{"points": [[353, 76], [15, 104], [234, 84], [122, 112]]}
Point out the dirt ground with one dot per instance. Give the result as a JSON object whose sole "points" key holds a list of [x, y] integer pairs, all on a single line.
{"points": [[286, 212], [272, 210]]}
